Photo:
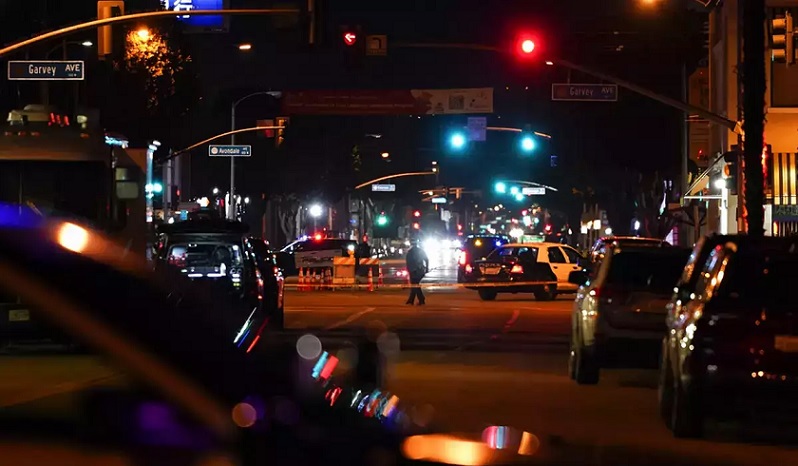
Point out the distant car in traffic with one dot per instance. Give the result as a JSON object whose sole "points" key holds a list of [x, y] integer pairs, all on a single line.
{"points": [[313, 253]]}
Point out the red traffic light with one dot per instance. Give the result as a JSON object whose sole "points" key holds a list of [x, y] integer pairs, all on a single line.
{"points": [[527, 46], [417, 214], [350, 38]]}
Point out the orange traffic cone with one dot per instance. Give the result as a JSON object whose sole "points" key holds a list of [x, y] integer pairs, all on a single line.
{"points": [[379, 278], [371, 280]]}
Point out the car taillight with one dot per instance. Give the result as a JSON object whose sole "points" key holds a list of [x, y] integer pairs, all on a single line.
{"points": [[468, 268], [276, 271], [517, 269], [605, 294], [462, 258]]}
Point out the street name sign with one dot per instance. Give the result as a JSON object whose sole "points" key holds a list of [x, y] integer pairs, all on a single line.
{"points": [[439, 200], [533, 191], [230, 151], [477, 128], [383, 188], [46, 70], [584, 92]]}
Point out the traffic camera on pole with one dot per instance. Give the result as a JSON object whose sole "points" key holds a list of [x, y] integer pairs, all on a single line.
{"points": [[783, 40]]}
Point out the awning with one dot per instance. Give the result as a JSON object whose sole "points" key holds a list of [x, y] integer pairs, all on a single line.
{"points": [[701, 183]]}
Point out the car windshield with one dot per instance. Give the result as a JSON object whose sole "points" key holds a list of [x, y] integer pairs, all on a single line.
{"points": [[527, 252], [653, 271]]}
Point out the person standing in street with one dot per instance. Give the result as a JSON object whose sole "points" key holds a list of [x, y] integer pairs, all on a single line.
{"points": [[417, 266]]}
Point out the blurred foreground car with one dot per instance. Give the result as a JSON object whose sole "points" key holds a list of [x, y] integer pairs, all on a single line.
{"points": [[732, 351], [200, 382]]}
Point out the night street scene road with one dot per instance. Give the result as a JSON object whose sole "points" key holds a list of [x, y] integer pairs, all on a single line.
{"points": [[239, 232]]}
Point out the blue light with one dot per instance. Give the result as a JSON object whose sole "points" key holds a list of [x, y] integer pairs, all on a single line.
{"points": [[14, 216], [500, 187], [458, 140], [527, 144], [498, 244], [214, 22]]}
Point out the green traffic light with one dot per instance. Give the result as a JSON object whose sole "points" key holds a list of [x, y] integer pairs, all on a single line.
{"points": [[500, 187], [382, 220]]}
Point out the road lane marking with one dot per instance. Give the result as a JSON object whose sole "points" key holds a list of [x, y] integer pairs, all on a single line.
{"points": [[351, 318]]}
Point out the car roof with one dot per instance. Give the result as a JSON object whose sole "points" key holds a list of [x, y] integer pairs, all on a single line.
{"points": [[631, 238]]}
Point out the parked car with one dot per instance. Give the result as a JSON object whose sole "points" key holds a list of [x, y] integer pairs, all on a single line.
{"points": [[732, 351], [623, 300]]}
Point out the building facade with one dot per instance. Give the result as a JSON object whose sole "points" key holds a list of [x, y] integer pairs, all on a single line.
{"points": [[723, 214]]}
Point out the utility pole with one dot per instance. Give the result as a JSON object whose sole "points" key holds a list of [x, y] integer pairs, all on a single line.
{"points": [[754, 112]]}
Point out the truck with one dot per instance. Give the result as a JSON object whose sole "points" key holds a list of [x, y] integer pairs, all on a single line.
{"points": [[68, 167]]}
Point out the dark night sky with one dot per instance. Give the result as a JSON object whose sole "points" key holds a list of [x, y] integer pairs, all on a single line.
{"points": [[635, 131]]}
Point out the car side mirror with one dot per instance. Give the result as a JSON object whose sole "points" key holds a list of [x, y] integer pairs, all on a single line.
{"points": [[578, 277]]}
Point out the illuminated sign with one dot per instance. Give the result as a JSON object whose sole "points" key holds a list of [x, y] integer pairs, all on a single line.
{"points": [[201, 23]]}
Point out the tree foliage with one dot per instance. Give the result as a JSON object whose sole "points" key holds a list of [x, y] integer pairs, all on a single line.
{"points": [[149, 54]]}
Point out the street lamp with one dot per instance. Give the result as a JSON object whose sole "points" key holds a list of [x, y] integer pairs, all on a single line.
{"points": [[244, 46], [231, 213], [143, 34], [315, 211], [385, 155]]}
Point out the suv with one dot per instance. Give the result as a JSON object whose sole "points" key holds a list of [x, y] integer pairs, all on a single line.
{"points": [[732, 350], [219, 253], [624, 300]]}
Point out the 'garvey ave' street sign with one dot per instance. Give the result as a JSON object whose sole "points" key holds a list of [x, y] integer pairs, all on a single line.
{"points": [[230, 151], [585, 92], [43, 70], [385, 188]]}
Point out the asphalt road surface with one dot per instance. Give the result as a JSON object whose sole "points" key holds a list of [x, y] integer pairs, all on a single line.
{"points": [[477, 364]]}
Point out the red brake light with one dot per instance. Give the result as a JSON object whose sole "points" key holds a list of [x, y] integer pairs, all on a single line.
{"points": [[317, 237], [517, 268]]}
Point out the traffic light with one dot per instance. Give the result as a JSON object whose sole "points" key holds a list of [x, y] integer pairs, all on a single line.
{"points": [[782, 39], [349, 37], [731, 169], [382, 220], [107, 9], [279, 138], [526, 46], [417, 213], [527, 143], [500, 187], [416, 226], [458, 140]]}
